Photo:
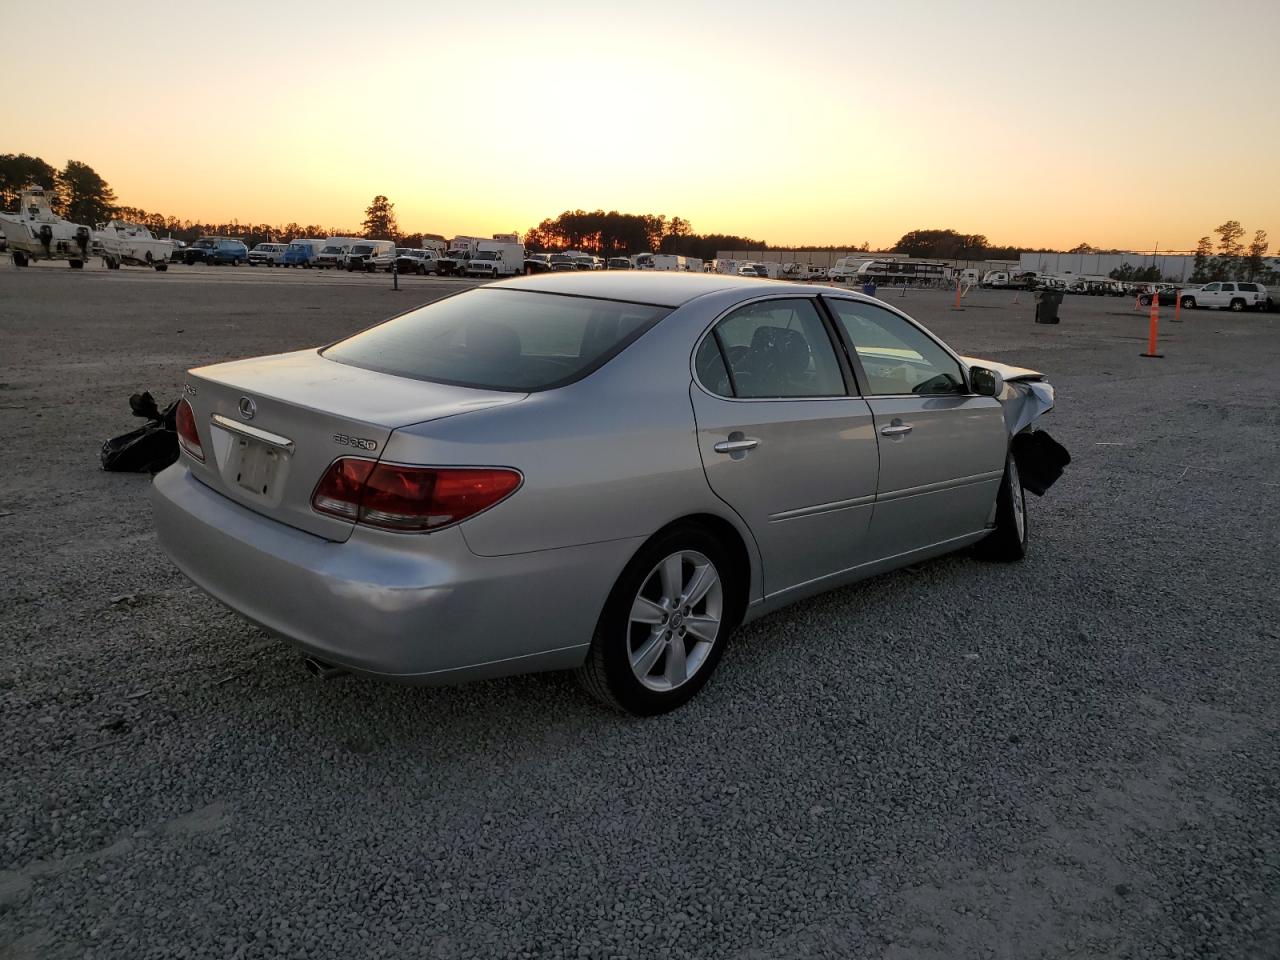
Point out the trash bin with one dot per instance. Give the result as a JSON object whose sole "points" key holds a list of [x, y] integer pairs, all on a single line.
{"points": [[1047, 303], [869, 289]]}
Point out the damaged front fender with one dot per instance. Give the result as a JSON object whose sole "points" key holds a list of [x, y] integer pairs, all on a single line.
{"points": [[1025, 398]]}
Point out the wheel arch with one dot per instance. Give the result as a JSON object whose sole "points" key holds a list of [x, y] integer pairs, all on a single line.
{"points": [[745, 563]]}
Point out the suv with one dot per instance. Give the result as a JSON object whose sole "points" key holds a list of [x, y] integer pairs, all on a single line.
{"points": [[1233, 296], [215, 250], [269, 253]]}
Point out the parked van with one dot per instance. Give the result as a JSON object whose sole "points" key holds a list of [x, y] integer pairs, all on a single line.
{"points": [[334, 252], [268, 253], [368, 255], [214, 250], [301, 252]]}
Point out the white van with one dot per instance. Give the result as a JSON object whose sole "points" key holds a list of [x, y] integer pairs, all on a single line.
{"points": [[368, 255], [334, 252]]}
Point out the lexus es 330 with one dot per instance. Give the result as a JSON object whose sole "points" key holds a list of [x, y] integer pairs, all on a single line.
{"points": [[604, 472]]}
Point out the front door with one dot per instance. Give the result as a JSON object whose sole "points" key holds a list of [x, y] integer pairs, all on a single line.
{"points": [[942, 449], [1210, 296], [782, 441]]}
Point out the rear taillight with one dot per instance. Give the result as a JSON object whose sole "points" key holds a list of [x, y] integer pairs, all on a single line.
{"points": [[188, 436], [409, 499]]}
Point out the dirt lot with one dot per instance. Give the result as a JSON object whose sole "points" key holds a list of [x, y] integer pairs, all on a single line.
{"points": [[1074, 756]]}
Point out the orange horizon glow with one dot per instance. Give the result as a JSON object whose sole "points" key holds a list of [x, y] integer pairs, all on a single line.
{"points": [[1033, 125]]}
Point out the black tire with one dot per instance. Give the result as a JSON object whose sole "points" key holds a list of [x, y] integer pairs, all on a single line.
{"points": [[1144, 301], [607, 675], [1237, 306], [1188, 303], [19, 259], [76, 264], [1008, 541], [161, 267]]}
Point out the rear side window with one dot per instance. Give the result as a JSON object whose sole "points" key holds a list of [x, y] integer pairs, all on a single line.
{"points": [[770, 349], [500, 339]]}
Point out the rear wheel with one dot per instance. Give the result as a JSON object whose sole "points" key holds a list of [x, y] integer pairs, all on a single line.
{"points": [[1237, 305], [76, 264], [19, 258], [1008, 541], [665, 624]]}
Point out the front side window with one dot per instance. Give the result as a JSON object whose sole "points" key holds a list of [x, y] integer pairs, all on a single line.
{"points": [[897, 357], [499, 339], [771, 349], [1212, 287]]}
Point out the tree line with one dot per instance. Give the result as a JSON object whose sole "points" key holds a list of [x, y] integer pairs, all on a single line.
{"points": [[78, 193], [1232, 260]]}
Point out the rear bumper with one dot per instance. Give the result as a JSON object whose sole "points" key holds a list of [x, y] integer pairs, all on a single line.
{"points": [[417, 608]]}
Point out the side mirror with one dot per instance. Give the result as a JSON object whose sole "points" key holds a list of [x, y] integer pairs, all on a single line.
{"points": [[986, 383]]}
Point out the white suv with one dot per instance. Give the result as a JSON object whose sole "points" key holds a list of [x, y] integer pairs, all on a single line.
{"points": [[1233, 296]]}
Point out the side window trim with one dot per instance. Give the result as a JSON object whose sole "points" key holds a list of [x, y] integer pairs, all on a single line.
{"points": [[848, 375], [724, 359], [864, 381]]}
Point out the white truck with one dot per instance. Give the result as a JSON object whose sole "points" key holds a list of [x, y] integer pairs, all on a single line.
{"points": [[334, 253], [671, 261], [495, 258]]}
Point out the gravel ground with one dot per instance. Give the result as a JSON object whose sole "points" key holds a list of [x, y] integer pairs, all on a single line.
{"points": [[1074, 756]]}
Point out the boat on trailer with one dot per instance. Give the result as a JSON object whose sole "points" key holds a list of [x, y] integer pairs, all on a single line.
{"points": [[35, 232]]}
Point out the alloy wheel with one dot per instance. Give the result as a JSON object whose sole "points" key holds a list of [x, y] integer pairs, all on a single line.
{"points": [[675, 620]]}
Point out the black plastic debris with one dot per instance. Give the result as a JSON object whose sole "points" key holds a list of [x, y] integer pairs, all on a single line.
{"points": [[148, 449], [1041, 460]]}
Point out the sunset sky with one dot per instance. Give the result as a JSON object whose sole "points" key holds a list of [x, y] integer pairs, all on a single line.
{"points": [[1119, 123]]}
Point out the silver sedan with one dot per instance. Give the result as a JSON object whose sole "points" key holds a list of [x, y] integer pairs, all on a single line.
{"points": [[604, 472]]}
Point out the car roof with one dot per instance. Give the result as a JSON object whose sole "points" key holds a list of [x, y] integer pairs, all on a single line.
{"points": [[662, 288]]}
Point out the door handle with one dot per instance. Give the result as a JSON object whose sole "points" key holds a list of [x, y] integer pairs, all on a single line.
{"points": [[895, 429], [736, 446]]}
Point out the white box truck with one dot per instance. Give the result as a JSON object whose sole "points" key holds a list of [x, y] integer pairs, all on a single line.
{"points": [[495, 258]]}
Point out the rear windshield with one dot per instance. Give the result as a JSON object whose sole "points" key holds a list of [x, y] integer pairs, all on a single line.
{"points": [[499, 339]]}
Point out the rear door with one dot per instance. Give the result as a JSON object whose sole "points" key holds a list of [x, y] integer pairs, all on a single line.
{"points": [[783, 442], [942, 449]]}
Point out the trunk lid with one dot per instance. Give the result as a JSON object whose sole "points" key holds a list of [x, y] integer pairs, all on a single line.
{"points": [[271, 426]]}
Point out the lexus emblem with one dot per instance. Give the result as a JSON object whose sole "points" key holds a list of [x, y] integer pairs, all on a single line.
{"points": [[248, 408]]}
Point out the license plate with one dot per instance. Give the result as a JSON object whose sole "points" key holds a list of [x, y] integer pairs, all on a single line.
{"points": [[256, 465]]}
